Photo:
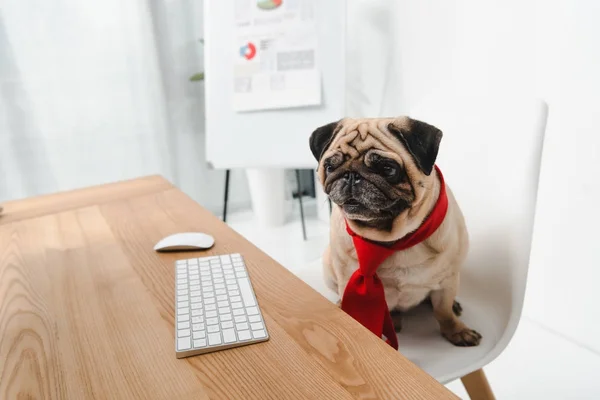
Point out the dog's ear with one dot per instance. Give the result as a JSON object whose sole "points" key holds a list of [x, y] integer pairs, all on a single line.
{"points": [[321, 138], [421, 140]]}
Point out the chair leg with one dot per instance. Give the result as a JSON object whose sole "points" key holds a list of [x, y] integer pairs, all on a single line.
{"points": [[477, 386]]}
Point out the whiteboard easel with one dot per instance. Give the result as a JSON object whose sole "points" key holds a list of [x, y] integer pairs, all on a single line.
{"points": [[277, 138]]}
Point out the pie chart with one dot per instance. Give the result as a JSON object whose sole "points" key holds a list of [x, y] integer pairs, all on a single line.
{"points": [[268, 4]]}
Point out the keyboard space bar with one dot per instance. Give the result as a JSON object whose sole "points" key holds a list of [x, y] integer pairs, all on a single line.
{"points": [[246, 292]]}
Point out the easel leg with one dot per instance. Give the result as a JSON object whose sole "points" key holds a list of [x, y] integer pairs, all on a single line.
{"points": [[477, 386], [226, 196], [301, 206]]}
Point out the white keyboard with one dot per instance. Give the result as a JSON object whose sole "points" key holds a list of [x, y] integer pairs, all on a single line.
{"points": [[216, 307]]}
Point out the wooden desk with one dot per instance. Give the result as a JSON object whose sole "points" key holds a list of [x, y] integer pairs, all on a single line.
{"points": [[86, 311]]}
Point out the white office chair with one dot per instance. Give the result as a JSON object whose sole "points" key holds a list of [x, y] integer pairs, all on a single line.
{"points": [[490, 156]]}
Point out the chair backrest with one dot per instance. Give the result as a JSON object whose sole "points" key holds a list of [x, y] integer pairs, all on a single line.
{"points": [[490, 155]]}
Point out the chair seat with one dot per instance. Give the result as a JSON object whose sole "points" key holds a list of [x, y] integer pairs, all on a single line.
{"points": [[420, 340]]}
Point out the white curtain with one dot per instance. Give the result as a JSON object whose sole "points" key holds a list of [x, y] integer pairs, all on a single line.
{"points": [[94, 92]]}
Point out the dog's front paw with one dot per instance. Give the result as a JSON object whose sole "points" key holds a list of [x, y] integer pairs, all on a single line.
{"points": [[463, 337]]}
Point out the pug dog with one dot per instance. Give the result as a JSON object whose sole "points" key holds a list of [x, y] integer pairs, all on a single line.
{"points": [[380, 175]]}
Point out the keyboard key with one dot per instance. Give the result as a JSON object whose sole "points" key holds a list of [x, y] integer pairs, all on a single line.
{"points": [[196, 313], [230, 281], [226, 317], [208, 295], [182, 318], [183, 325], [238, 264], [212, 321], [251, 310], [225, 258], [184, 343], [211, 307], [234, 293], [211, 314], [181, 287], [195, 293], [239, 318], [193, 261], [222, 297], [254, 318], [244, 335], [236, 305], [195, 287], [198, 334], [213, 328], [219, 285], [183, 333], [182, 298], [259, 334], [232, 287], [209, 289], [242, 327], [224, 310], [185, 304], [246, 291], [220, 291], [214, 339], [199, 343], [228, 335], [196, 306], [223, 303], [182, 292], [228, 324], [181, 311], [210, 301], [196, 299], [235, 298], [181, 281], [179, 263], [194, 282], [229, 275], [241, 274], [197, 320], [239, 311], [256, 326], [219, 281], [198, 327]]}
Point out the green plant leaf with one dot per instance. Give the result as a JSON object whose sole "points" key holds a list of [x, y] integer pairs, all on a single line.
{"points": [[197, 77]]}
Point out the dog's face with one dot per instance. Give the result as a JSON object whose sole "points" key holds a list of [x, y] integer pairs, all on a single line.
{"points": [[376, 169]]}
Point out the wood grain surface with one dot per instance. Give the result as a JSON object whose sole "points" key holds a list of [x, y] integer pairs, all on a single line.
{"points": [[86, 311]]}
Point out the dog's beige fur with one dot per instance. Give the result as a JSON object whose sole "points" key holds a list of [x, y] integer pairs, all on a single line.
{"points": [[428, 270]]}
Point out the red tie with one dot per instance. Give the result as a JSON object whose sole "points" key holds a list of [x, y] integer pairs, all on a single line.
{"points": [[364, 297]]}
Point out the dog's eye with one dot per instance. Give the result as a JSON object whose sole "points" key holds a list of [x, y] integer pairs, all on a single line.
{"points": [[329, 168], [389, 171]]}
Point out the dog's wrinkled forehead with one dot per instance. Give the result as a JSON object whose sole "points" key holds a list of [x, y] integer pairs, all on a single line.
{"points": [[355, 136]]}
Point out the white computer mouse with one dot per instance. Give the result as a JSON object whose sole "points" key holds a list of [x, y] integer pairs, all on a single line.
{"points": [[185, 241]]}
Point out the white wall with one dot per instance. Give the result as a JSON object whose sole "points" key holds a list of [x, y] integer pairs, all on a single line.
{"points": [[548, 49], [93, 92]]}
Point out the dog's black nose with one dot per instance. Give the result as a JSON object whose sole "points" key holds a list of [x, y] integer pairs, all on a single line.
{"points": [[351, 178]]}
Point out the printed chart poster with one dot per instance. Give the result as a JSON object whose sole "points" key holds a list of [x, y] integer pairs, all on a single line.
{"points": [[275, 55]]}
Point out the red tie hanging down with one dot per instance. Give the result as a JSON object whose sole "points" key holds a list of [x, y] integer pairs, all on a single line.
{"points": [[364, 297]]}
